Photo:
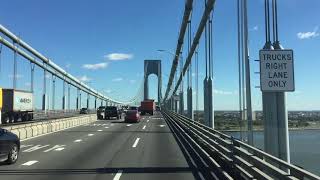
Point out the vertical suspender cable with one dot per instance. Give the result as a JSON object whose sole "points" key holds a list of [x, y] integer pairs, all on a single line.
{"points": [[197, 83], [210, 44], [1, 45], [14, 77], [243, 64], [273, 22], [239, 69], [248, 84], [276, 20]]}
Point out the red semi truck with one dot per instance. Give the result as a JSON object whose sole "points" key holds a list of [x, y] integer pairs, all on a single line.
{"points": [[147, 106]]}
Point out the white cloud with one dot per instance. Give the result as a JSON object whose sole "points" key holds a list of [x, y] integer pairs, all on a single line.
{"points": [[117, 79], [68, 65], [132, 81], [308, 35], [18, 76], [255, 28], [118, 56], [108, 91], [95, 66], [85, 78], [222, 92]]}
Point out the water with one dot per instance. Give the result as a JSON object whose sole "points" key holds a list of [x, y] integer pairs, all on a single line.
{"points": [[304, 147]]}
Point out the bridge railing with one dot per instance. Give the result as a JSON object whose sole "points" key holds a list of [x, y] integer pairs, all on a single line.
{"points": [[237, 156]]}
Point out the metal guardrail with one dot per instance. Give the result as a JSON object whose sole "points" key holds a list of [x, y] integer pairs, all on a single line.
{"points": [[241, 159]]}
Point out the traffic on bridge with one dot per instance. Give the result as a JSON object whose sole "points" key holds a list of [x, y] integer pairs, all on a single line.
{"points": [[110, 90]]}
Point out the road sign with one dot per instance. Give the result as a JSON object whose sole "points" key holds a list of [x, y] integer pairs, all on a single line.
{"points": [[276, 70]]}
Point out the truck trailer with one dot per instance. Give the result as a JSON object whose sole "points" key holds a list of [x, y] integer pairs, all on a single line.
{"points": [[147, 106], [15, 105]]}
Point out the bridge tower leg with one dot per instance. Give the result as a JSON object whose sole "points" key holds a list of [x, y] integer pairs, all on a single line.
{"points": [[53, 91], [69, 96], [77, 100], [146, 88], [44, 90], [88, 100], [181, 103], [210, 104], [80, 103], [64, 95], [189, 103], [175, 105]]}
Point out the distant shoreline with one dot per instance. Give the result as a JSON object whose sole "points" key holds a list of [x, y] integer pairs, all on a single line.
{"points": [[258, 130]]}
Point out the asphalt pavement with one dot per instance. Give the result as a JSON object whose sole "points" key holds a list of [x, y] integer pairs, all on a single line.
{"points": [[106, 149]]}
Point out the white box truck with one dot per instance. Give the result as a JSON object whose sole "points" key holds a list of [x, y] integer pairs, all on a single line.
{"points": [[16, 105]]}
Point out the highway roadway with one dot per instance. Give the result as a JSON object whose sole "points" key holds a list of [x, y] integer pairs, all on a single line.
{"points": [[107, 149]]}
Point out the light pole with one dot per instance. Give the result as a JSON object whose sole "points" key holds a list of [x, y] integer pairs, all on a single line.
{"points": [[175, 82]]}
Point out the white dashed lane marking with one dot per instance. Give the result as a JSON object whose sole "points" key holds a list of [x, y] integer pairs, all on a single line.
{"points": [[90, 134], [78, 140], [118, 175], [54, 147], [144, 127], [148, 120], [59, 149], [34, 148], [29, 163], [99, 130], [129, 125], [136, 143], [106, 127]]}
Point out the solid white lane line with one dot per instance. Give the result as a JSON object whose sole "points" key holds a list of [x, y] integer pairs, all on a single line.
{"points": [[99, 130], [78, 140], [118, 175], [90, 134], [129, 125], [144, 127], [135, 143], [29, 163]]}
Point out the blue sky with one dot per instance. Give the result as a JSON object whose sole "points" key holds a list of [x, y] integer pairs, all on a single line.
{"points": [[87, 37]]}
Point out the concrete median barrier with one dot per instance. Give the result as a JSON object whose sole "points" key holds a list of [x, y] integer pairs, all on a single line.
{"points": [[34, 129]]}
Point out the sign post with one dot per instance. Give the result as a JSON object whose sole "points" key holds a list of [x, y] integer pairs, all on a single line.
{"points": [[276, 78], [276, 71]]}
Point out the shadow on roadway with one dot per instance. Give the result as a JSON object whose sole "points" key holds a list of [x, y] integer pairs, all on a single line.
{"points": [[105, 170], [111, 131]]}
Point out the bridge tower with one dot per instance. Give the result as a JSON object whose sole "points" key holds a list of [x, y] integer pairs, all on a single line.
{"points": [[152, 67]]}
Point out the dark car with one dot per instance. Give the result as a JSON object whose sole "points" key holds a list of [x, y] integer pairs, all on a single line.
{"points": [[132, 116], [84, 111], [112, 111], [133, 108], [100, 112], [9, 146]]}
